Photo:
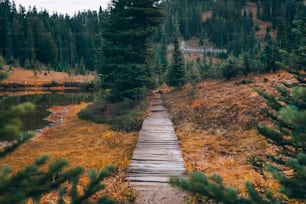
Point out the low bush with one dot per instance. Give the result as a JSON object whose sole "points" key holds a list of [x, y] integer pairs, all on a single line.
{"points": [[125, 116], [244, 81], [127, 122]]}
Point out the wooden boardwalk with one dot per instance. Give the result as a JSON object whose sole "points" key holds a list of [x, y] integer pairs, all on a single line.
{"points": [[156, 158]]}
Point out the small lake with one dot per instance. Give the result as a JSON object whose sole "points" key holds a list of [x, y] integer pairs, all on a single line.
{"points": [[37, 119]]}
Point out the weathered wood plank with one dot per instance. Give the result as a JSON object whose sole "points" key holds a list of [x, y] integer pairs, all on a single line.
{"points": [[157, 156], [152, 179]]}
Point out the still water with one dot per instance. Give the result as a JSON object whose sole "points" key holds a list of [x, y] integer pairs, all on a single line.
{"points": [[38, 118]]}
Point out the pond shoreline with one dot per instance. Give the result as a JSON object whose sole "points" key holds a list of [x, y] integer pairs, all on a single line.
{"points": [[28, 87], [21, 79], [56, 118]]}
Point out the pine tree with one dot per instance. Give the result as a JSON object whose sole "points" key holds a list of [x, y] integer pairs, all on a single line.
{"points": [[270, 54], [176, 76], [230, 67], [289, 131], [127, 48], [282, 37], [2, 62], [163, 51], [193, 75], [298, 56]]}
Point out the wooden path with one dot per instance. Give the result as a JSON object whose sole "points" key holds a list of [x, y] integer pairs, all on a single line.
{"points": [[156, 158]]}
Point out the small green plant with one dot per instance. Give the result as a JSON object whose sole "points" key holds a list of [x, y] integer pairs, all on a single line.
{"points": [[2, 61], [3, 75], [127, 122], [230, 68], [212, 188]]}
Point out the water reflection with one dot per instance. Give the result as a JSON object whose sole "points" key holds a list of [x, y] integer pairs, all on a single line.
{"points": [[37, 118]]}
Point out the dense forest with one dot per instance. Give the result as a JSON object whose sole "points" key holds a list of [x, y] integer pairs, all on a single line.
{"points": [[231, 24], [29, 37]]}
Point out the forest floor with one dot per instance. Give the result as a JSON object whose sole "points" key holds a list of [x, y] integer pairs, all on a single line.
{"points": [[215, 127]]}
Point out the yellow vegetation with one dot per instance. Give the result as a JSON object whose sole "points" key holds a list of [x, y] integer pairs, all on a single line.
{"points": [[38, 78], [81, 143], [215, 127]]}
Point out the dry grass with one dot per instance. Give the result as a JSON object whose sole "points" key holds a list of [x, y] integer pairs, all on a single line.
{"points": [[81, 143], [38, 78], [215, 127]]}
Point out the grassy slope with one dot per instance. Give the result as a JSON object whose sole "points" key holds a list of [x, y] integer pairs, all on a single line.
{"points": [[215, 127]]}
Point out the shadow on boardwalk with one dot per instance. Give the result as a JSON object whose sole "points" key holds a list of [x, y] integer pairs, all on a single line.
{"points": [[156, 158]]}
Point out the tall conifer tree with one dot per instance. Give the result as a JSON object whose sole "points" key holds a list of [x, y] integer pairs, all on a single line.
{"points": [[176, 75], [127, 49]]}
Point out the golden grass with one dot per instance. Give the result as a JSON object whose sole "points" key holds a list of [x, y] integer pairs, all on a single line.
{"points": [[29, 77], [215, 128], [81, 143]]}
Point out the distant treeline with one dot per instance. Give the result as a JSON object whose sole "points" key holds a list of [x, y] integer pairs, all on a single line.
{"points": [[29, 37], [229, 23]]}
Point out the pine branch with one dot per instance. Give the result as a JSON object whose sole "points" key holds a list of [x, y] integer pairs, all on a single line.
{"points": [[25, 137], [212, 188], [94, 184], [270, 100]]}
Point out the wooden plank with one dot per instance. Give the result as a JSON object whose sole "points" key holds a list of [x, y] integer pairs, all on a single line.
{"points": [[160, 158], [152, 179], [157, 155], [135, 172]]}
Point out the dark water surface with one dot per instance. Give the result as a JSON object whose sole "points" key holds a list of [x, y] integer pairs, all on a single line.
{"points": [[38, 118]]}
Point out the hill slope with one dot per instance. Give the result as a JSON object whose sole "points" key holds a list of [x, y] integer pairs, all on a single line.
{"points": [[215, 126]]}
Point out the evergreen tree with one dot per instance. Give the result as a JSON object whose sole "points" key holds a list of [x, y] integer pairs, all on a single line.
{"points": [[246, 64], [176, 75], [282, 37], [47, 49], [163, 52], [298, 55], [230, 67], [193, 74], [2, 62], [270, 54], [289, 131], [127, 48]]}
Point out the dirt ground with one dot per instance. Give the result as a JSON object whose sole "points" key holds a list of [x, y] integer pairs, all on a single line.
{"points": [[161, 194]]}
